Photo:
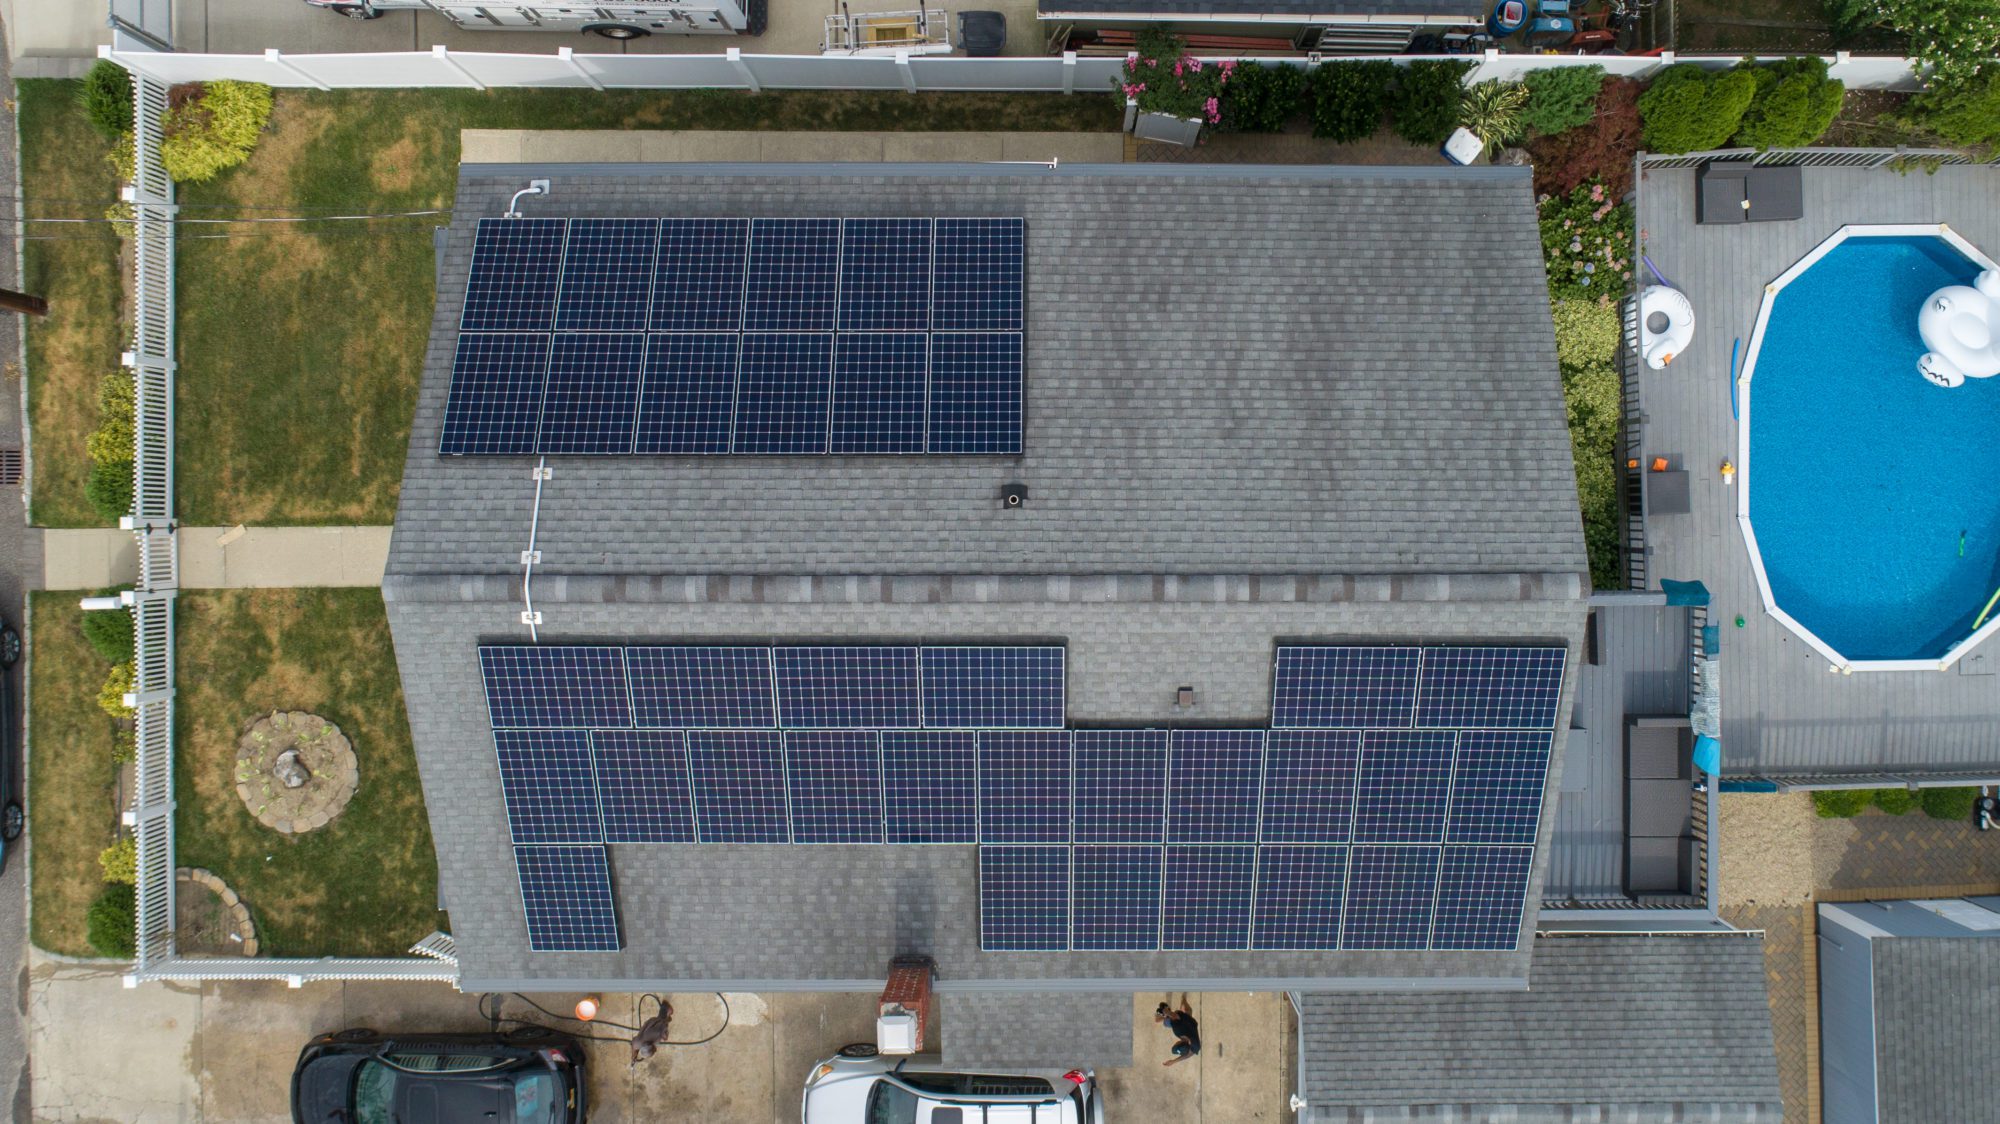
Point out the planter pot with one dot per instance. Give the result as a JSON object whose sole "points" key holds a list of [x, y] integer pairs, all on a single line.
{"points": [[1168, 129]]}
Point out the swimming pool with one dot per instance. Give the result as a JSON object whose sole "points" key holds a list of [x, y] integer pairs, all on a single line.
{"points": [[1870, 499]]}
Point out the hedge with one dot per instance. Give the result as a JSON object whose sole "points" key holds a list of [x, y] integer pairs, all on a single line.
{"points": [[113, 922], [1688, 109]]}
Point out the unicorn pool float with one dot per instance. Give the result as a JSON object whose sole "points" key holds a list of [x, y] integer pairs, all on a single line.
{"points": [[1961, 326]]}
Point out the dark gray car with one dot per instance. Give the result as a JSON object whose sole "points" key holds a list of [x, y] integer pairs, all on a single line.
{"points": [[530, 1075]]}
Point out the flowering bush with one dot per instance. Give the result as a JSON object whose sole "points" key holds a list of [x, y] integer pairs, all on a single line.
{"points": [[1164, 78], [1587, 243]]}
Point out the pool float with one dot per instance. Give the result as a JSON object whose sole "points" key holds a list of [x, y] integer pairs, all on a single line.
{"points": [[1961, 326], [1666, 324]]}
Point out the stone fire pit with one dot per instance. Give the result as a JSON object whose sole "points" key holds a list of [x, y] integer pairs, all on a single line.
{"points": [[295, 771]]}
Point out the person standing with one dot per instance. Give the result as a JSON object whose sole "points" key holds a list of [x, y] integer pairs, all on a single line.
{"points": [[1186, 1031]]}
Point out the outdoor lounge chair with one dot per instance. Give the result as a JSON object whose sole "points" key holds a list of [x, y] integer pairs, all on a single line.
{"points": [[1733, 191]]}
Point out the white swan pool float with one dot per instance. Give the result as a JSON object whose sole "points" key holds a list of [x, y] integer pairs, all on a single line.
{"points": [[1666, 324], [1961, 326]]}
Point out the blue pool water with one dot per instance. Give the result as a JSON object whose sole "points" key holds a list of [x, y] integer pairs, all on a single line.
{"points": [[1863, 475]]}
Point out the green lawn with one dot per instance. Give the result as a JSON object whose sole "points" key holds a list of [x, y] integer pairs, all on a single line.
{"points": [[64, 174], [301, 346], [364, 885], [71, 811]]}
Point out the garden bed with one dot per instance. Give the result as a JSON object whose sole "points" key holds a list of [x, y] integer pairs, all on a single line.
{"points": [[72, 775], [366, 883], [303, 344]]}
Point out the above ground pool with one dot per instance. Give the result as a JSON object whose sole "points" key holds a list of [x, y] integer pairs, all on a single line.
{"points": [[1872, 496]]}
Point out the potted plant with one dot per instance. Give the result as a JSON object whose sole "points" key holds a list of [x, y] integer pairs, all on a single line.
{"points": [[1174, 93]]}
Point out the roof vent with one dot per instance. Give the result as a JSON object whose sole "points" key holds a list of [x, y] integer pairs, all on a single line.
{"points": [[1184, 698], [1013, 495]]}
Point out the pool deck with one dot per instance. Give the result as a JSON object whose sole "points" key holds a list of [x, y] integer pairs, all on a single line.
{"points": [[1786, 714]]}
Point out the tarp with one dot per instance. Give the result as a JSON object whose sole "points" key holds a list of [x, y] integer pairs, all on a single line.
{"points": [[1684, 593]]}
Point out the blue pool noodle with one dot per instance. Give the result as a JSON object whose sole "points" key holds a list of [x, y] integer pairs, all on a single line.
{"points": [[1733, 345]]}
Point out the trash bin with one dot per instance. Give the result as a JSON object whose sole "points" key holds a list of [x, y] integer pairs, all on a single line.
{"points": [[982, 34]]}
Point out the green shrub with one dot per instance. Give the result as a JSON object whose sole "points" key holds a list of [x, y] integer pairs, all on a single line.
{"points": [[118, 684], [1562, 97], [121, 861], [1966, 114], [1948, 803], [1495, 112], [107, 98], [109, 631], [1586, 331], [1426, 100], [213, 128], [113, 921], [117, 408], [1958, 38], [1586, 243], [1261, 99], [1349, 98], [123, 157], [1794, 103], [1840, 803], [1895, 801], [1688, 109], [125, 745], [109, 489]]}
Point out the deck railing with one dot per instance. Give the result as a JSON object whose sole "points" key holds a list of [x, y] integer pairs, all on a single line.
{"points": [[1909, 159]]}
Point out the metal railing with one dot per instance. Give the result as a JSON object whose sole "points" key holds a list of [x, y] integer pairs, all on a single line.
{"points": [[1909, 158], [1631, 438]]}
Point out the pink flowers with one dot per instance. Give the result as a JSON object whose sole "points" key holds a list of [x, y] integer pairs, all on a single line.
{"points": [[1597, 193], [1134, 89], [1213, 108]]}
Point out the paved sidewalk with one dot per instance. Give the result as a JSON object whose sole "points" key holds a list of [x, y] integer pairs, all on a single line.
{"points": [[223, 557], [582, 146]]}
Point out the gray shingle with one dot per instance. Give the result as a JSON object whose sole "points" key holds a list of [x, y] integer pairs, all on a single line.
{"points": [[1935, 1043], [1642, 1028]]}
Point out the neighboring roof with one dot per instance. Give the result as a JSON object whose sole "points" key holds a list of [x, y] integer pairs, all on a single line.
{"points": [[1311, 370], [1642, 1028], [1037, 1029], [1299, 11], [1935, 1039]]}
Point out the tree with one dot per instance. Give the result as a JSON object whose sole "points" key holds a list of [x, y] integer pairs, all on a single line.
{"points": [[1794, 103], [1689, 109], [1958, 38]]}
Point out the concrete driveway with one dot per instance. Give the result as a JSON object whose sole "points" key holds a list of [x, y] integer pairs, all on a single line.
{"points": [[225, 1051]]}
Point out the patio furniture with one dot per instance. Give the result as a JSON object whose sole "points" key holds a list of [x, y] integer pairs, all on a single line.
{"points": [[1734, 191], [1667, 492], [1659, 807]]}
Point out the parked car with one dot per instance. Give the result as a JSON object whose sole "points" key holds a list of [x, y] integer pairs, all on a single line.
{"points": [[530, 1075], [12, 818], [858, 1086]]}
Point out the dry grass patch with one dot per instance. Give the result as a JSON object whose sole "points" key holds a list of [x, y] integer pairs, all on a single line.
{"points": [[72, 808]]}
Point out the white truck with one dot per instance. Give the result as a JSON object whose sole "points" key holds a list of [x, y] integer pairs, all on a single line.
{"points": [[612, 21]]}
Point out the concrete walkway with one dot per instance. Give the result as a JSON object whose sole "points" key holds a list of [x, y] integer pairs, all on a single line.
{"points": [[584, 146], [223, 557]]}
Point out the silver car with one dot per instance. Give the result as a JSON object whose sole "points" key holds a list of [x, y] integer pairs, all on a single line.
{"points": [[858, 1086]]}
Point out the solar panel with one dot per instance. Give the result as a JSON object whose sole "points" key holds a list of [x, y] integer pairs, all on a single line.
{"points": [[1299, 895], [512, 283], [782, 384], [1309, 785], [1496, 793], [546, 780], [993, 687], [1389, 896], [642, 786], [878, 392], [846, 687], [1023, 899], [738, 777], [975, 403], [1213, 782], [1481, 891], [1344, 686], [885, 275], [1024, 786], [1115, 898], [554, 686], [976, 281], [932, 779], [566, 894], [1121, 785], [1405, 776], [592, 396], [687, 400], [835, 778], [1208, 893], [794, 272], [1517, 688], [607, 275], [698, 284], [495, 401], [690, 687]]}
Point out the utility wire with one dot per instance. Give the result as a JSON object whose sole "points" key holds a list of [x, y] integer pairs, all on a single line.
{"points": [[494, 1017]]}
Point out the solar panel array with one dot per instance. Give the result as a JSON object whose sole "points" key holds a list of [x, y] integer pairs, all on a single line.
{"points": [[1401, 835], [733, 335]]}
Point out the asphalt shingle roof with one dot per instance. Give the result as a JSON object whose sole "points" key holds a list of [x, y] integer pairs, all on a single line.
{"points": [[1934, 1037], [1637, 1029]]}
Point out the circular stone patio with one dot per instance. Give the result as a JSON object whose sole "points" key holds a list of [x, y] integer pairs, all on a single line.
{"points": [[295, 771]]}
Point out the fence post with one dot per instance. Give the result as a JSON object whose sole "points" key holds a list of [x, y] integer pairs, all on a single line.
{"points": [[1069, 72], [903, 68], [1489, 61], [568, 55], [1131, 113], [442, 53], [273, 56], [743, 71]]}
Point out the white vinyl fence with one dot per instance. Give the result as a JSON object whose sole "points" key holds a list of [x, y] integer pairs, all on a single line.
{"points": [[734, 70]]}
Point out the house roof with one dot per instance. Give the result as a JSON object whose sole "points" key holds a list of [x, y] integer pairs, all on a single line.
{"points": [[1290, 11], [1934, 1035], [1651, 1028]]}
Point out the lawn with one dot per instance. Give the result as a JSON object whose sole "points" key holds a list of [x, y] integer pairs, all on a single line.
{"points": [[72, 813], [364, 885], [64, 174], [302, 345]]}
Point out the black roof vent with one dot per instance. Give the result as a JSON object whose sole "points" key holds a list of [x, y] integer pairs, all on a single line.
{"points": [[1013, 495]]}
